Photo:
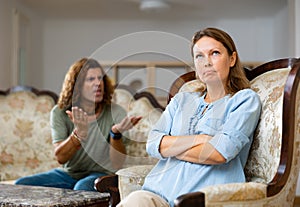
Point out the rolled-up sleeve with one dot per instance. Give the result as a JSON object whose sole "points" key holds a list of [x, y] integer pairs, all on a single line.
{"points": [[160, 129], [243, 113]]}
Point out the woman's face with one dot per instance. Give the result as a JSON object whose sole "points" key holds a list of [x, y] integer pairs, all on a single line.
{"points": [[212, 61], [93, 86]]}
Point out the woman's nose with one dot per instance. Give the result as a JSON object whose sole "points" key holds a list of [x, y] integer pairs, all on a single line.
{"points": [[97, 81], [207, 62]]}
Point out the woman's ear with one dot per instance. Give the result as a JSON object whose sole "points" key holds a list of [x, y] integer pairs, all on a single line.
{"points": [[232, 59]]}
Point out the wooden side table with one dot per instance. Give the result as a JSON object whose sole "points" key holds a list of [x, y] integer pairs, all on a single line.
{"points": [[32, 196]]}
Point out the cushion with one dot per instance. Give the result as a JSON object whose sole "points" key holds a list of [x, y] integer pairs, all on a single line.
{"points": [[265, 152]]}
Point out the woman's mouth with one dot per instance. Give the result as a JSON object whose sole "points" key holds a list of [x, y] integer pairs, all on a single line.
{"points": [[208, 72], [98, 92]]}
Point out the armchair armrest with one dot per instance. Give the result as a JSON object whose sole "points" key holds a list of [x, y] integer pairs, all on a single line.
{"points": [[190, 199], [109, 183], [223, 193]]}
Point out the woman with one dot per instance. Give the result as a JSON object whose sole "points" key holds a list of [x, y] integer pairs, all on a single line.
{"points": [[203, 138], [86, 130]]}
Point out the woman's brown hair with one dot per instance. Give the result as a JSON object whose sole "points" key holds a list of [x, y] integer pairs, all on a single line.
{"points": [[74, 79], [237, 79]]}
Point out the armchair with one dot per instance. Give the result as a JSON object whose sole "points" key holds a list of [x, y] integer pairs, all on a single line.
{"points": [[273, 165]]}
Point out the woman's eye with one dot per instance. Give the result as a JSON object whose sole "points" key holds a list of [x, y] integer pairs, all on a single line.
{"points": [[198, 56], [90, 79], [215, 52]]}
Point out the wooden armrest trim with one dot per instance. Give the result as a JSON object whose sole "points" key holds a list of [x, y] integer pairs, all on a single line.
{"points": [[109, 183], [102, 184], [190, 199]]}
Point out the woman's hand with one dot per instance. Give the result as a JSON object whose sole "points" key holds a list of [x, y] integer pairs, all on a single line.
{"points": [[80, 120], [127, 123]]}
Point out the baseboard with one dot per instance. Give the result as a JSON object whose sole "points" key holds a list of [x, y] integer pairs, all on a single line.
{"points": [[297, 200]]}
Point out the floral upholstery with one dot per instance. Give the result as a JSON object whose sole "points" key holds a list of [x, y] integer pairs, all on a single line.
{"points": [[132, 178], [264, 155], [136, 146], [235, 192], [192, 85], [25, 138]]}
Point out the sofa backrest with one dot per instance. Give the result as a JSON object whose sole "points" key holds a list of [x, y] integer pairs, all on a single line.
{"points": [[25, 138], [264, 156], [274, 158], [142, 104]]}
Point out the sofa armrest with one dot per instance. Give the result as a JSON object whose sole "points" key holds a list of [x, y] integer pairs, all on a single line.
{"points": [[109, 183], [132, 178], [235, 192], [223, 193]]}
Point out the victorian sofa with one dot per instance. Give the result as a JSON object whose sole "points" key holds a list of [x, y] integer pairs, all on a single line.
{"points": [[25, 139], [273, 166]]}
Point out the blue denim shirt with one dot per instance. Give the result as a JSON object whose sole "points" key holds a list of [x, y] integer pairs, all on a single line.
{"points": [[230, 121]]}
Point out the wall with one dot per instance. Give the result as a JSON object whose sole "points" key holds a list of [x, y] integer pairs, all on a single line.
{"points": [[72, 39], [56, 43], [297, 27], [35, 70], [5, 42]]}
